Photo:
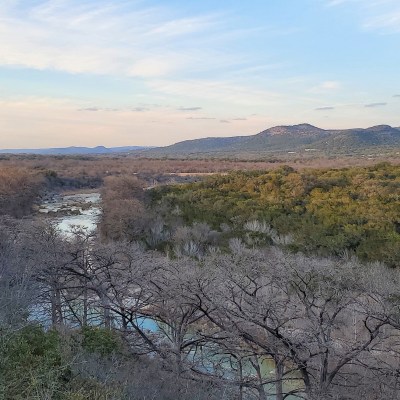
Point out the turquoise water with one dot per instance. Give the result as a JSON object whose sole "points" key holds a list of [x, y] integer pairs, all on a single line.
{"points": [[147, 324]]}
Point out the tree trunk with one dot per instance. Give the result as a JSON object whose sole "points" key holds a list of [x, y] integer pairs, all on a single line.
{"points": [[85, 307], [241, 380], [261, 390], [279, 370], [56, 308], [106, 311], [261, 393]]}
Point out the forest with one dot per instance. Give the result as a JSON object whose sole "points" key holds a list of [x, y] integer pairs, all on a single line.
{"points": [[257, 283], [318, 211]]}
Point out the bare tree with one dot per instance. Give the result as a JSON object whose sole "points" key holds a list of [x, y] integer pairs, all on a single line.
{"points": [[17, 290], [299, 310], [46, 251], [327, 328]]}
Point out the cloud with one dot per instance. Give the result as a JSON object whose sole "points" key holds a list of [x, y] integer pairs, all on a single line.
{"points": [[239, 119], [61, 124], [326, 86], [93, 109], [325, 108], [371, 105], [189, 108], [380, 15], [330, 85], [333, 3], [396, 95], [89, 109], [108, 109], [107, 38], [215, 90], [119, 38], [224, 121], [387, 22], [201, 118]]}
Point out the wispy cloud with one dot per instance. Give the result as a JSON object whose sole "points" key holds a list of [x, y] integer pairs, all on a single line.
{"points": [[108, 109], [371, 105], [102, 37], [396, 95], [201, 118], [325, 108], [332, 3], [93, 109], [60, 124], [330, 85], [326, 86], [189, 108], [224, 121], [215, 90], [380, 15]]}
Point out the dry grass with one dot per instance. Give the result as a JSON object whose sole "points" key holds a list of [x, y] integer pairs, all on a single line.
{"points": [[101, 166]]}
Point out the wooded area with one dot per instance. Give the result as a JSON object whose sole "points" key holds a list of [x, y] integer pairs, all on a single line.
{"points": [[319, 211], [279, 284]]}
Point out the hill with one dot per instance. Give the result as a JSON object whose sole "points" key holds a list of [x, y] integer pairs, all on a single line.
{"points": [[205, 145], [353, 139], [292, 138], [279, 139]]}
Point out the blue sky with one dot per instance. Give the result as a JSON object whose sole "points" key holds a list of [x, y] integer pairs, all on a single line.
{"points": [[126, 72]]}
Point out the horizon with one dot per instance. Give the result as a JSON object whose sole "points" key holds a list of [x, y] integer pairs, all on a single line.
{"points": [[190, 139], [81, 73]]}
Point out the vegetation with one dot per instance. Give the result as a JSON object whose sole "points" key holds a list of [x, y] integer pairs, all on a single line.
{"points": [[87, 171], [19, 189], [127, 323], [327, 212], [245, 286]]}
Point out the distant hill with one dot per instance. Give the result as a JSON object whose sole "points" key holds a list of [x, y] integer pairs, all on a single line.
{"points": [[75, 150], [279, 139], [283, 138], [292, 138], [352, 139], [202, 145]]}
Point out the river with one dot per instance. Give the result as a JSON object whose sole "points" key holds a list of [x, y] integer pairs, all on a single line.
{"points": [[80, 210]]}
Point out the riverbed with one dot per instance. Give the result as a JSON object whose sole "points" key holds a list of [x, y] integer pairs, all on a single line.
{"points": [[70, 211]]}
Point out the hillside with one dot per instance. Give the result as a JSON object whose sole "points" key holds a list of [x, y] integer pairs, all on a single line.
{"points": [[283, 138], [295, 138], [205, 145], [280, 139], [376, 136]]}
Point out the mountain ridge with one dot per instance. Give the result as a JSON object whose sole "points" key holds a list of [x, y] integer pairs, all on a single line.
{"points": [[282, 138], [289, 138]]}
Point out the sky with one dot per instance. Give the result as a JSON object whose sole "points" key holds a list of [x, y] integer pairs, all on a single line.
{"points": [[155, 72]]}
